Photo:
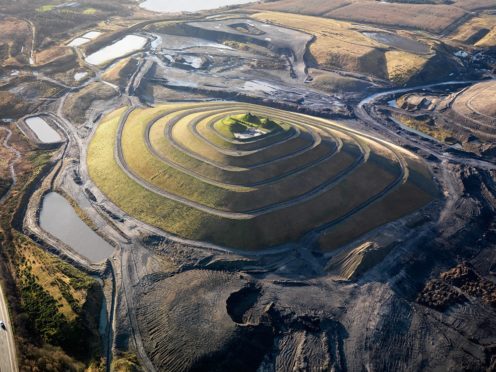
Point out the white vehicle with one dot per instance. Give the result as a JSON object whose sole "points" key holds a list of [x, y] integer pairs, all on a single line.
{"points": [[2, 324]]}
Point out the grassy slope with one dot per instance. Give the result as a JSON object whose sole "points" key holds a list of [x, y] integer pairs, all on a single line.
{"points": [[331, 82], [409, 196], [222, 130], [240, 123], [128, 195], [229, 198], [182, 135], [433, 18], [479, 31], [338, 44], [120, 73], [77, 104], [405, 199], [151, 169], [53, 306], [268, 229], [401, 66], [240, 176]]}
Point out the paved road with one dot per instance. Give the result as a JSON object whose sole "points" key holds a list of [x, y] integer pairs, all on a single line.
{"points": [[8, 360]]}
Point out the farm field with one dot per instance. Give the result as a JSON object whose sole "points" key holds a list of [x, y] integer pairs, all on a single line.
{"points": [[427, 16], [479, 31]]}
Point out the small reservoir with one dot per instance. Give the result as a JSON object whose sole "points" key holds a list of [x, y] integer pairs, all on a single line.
{"points": [[86, 38], [43, 130], [58, 218]]}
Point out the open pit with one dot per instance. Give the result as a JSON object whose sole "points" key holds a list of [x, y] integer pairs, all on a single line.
{"points": [[185, 169]]}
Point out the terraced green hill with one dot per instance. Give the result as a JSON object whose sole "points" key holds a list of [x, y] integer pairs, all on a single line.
{"points": [[251, 177]]}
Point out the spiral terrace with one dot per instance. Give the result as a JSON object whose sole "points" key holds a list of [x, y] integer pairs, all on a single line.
{"points": [[249, 177]]}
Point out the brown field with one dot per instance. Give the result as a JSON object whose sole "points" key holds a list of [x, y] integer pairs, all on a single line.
{"points": [[428, 17], [433, 18], [339, 45], [329, 81], [20, 142], [11, 105], [6, 157], [15, 41], [310, 7], [479, 31], [476, 4], [121, 72], [336, 44], [57, 54], [77, 104]]}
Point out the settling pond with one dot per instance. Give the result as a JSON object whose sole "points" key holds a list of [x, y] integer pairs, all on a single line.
{"points": [[43, 130], [121, 48], [166, 6], [86, 38], [58, 218]]}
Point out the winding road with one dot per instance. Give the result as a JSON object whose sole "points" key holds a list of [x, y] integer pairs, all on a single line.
{"points": [[363, 115]]}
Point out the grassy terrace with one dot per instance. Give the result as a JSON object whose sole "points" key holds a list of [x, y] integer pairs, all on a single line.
{"points": [[341, 44], [344, 179], [419, 190], [233, 126], [212, 128], [221, 196], [181, 135], [231, 174]]}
